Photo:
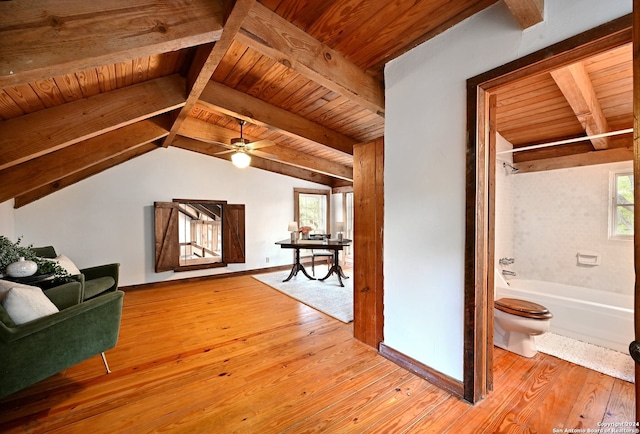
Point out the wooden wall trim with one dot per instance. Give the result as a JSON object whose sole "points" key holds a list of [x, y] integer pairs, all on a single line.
{"points": [[437, 378], [636, 178], [368, 212]]}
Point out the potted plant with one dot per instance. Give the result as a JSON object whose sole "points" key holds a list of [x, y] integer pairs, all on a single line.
{"points": [[11, 252]]}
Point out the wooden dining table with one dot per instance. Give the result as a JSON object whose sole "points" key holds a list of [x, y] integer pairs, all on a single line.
{"points": [[334, 245]]}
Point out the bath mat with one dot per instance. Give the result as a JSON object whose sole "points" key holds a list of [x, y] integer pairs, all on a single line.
{"points": [[609, 362], [326, 296]]}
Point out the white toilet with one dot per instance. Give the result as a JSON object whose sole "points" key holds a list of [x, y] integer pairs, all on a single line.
{"points": [[516, 322]]}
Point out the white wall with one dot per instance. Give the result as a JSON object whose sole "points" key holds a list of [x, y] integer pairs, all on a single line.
{"points": [[425, 168], [109, 217], [7, 223]]}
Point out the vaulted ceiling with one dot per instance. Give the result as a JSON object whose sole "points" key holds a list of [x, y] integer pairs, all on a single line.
{"points": [[85, 85]]}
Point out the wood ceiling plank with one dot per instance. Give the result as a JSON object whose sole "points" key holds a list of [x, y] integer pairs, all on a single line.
{"points": [[88, 82], [25, 98], [421, 29], [80, 120], [107, 77], [272, 82], [575, 84], [8, 108], [242, 67], [237, 104], [46, 38], [204, 65], [48, 92], [273, 36], [38, 172], [527, 12], [234, 53], [255, 74], [59, 184], [69, 87], [256, 162]]}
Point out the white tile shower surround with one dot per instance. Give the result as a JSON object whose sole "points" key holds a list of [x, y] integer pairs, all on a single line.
{"points": [[556, 214], [609, 362]]}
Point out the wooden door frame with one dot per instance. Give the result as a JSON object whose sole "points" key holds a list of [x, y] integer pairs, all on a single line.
{"points": [[636, 189], [480, 187]]}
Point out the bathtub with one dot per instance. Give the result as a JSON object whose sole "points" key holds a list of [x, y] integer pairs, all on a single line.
{"points": [[598, 317]]}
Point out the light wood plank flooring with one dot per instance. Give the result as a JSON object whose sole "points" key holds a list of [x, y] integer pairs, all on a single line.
{"points": [[234, 355]]}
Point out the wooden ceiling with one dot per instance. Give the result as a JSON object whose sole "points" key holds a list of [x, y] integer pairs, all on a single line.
{"points": [[85, 85], [585, 99]]}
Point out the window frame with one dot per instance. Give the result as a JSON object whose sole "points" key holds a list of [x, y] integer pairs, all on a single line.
{"points": [[296, 205], [614, 204]]}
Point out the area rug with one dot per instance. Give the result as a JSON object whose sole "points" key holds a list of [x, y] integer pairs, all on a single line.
{"points": [[609, 362], [326, 296]]}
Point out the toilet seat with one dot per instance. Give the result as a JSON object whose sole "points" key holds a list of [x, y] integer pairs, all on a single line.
{"points": [[522, 308]]}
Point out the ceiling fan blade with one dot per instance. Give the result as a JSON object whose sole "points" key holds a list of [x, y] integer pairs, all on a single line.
{"points": [[260, 144], [264, 155], [215, 142], [225, 152]]}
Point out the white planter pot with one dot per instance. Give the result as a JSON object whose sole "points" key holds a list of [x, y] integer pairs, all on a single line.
{"points": [[22, 268]]}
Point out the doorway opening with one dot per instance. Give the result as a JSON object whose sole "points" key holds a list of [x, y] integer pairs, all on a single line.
{"points": [[480, 252]]}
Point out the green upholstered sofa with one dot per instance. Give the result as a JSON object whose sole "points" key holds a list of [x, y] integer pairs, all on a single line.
{"points": [[43, 347], [95, 280]]}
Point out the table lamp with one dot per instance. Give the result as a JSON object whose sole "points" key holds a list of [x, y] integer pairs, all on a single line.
{"points": [[293, 228], [339, 229]]}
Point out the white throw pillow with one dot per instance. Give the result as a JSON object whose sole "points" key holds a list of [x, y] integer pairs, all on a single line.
{"points": [[67, 264], [25, 303]]}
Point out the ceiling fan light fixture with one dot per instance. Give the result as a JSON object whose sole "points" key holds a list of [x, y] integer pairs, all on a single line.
{"points": [[240, 159]]}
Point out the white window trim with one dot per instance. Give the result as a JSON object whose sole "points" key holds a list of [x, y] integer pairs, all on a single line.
{"points": [[613, 203]]}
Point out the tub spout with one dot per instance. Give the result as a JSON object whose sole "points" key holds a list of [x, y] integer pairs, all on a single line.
{"points": [[508, 273]]}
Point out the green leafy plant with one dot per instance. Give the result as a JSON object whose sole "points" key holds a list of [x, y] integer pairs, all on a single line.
{"points": [[11, 252]]}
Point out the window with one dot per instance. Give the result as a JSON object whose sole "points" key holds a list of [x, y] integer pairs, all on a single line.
{"points": [[196, 234], [621, 212], [311, 208]]}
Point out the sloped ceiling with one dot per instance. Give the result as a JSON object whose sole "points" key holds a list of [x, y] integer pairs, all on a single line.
{"points": [[88, 85]]}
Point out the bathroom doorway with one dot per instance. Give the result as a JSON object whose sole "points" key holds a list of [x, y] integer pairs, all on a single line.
{"points": [[480, 254]]}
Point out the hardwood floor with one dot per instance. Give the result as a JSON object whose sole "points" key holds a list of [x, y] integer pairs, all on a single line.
{"points": [[234, 355]]}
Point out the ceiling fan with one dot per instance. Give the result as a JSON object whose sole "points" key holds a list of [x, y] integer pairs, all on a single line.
{"points": [[241, 149]]}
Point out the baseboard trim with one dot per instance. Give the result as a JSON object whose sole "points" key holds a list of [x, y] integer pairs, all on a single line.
{"points": [[437, 378]]}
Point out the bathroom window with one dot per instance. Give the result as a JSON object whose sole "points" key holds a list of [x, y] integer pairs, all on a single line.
{"points": [[621, 215]]}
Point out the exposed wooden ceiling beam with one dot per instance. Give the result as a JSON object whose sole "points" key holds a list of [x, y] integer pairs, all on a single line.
{"points": [[223, 99], [207, 60], [612, 155], [256, 162], [207, 132], [64, 125], [306, 161], [526, 12], [38, 172], [49, 38], [275, 37], [59, 184], [574, 82]]}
